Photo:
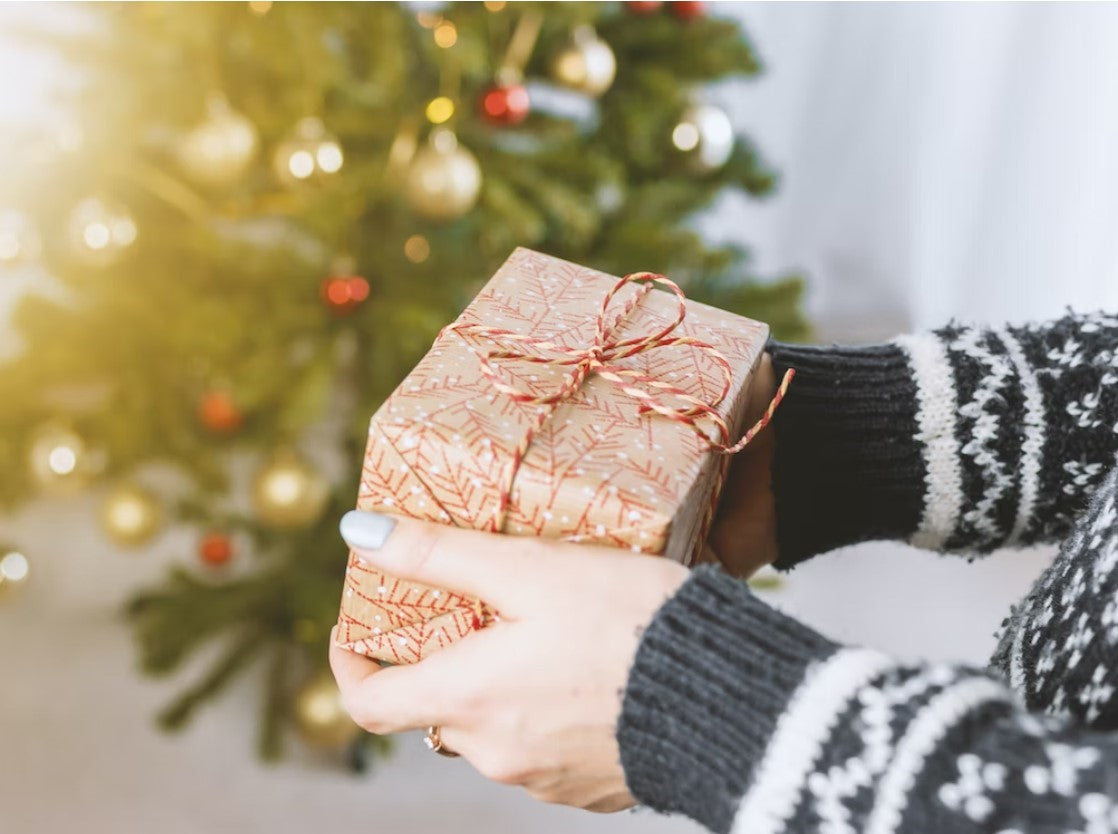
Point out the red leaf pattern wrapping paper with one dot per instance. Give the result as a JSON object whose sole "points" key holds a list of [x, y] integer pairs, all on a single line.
{"points": [[597, 471]]}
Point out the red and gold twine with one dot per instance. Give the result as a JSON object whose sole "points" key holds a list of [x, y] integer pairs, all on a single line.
{"points": [[601, 358]]}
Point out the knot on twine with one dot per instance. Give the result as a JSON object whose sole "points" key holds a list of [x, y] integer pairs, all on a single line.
{"points": [[601, 357]]}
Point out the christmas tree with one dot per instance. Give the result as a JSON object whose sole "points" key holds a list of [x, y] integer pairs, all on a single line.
{"points": [[259, 218]]}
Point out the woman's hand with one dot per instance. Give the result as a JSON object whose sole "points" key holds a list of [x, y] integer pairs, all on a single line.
{"points": [[533, 699], [743, 537]]}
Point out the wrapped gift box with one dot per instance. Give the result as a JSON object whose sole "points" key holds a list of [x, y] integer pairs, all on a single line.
{"points": [[470, 424]]}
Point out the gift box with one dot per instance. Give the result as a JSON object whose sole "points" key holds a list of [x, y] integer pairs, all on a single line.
{"points": [[563, 402]]}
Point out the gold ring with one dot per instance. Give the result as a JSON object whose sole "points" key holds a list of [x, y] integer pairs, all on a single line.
{"points": [[434, 742]]}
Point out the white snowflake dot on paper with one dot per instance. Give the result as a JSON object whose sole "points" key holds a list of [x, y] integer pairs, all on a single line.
{"points": [[636, 548], [565, 519], [634, 515], [376, 630], [388, 502], [376, 617], [403, 641], [548, 515], [414, 490], [382, 590], [436, 594], [600, 530]]}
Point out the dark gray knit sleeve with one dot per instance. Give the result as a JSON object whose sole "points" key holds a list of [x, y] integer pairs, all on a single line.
{"points": [[963, 439], [750, 722]]}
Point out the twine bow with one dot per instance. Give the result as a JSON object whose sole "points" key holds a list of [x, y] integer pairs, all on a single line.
{"points": [[601, 357]]}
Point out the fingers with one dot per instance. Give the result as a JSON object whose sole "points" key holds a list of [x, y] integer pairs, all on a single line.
{"points": [[508, 572], [350, 669], [398, 698]]}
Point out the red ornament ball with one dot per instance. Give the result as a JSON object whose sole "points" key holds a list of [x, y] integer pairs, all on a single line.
{"points": [[506, 105], [688, 9], [344, 293], [644, 7], [215, 549], [218, 413]]}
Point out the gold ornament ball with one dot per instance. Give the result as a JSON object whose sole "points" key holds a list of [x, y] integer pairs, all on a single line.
{"points": [[586, 63], [444, 180], [14, 570], [19, 242], [311, 152], [705, 136], [319, 715], [99, 231], [288, 492], [131, 515], [219, 149], [57, 459]]}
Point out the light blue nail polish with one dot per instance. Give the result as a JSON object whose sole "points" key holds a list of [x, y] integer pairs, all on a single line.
{"points": [[366, 531]]}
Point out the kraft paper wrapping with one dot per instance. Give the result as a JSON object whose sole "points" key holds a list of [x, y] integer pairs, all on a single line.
{"points": [[597, 471]]}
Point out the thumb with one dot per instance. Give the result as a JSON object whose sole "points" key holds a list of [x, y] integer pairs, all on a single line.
{"points": [[502, 570]]}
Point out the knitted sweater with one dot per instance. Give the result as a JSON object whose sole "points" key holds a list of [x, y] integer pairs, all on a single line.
{"points": [[965, 440]]}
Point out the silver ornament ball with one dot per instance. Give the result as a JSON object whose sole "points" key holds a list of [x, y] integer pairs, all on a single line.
{"points": [[705, 136], [444, 179]]}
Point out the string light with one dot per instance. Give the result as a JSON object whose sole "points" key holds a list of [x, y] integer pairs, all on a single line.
{"points": [[14, 567], [417, 249], [259, 7], [446, 35], [429, 20], [685, 136], [440, 110], [329, 157], [494, 5]]}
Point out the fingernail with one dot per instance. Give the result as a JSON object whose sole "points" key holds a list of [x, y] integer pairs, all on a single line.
{"points": [[366, 531]]}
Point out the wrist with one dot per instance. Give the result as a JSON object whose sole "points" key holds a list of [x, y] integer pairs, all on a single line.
{"points": [[847, 462], [712, 674]]}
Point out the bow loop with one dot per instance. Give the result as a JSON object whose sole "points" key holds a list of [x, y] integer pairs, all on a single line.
{"points": [[601, 357]]}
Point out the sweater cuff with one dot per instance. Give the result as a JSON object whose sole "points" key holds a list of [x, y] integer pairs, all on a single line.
{"points": [[713, 673], [848, 465]]}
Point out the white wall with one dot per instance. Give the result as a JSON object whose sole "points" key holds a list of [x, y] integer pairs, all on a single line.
{"points": [[954, 159]]}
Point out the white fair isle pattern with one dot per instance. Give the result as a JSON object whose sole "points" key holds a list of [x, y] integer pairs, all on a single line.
{"points": [[799, 737], [1016, 662], [972, 793], [1032, 448], [1053, 668], [924, 733], [936, 407], [833, 788], [982, 445]]}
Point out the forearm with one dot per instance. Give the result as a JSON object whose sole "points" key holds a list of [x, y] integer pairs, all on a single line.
{"points": [[748, 721], [962, 439]]}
